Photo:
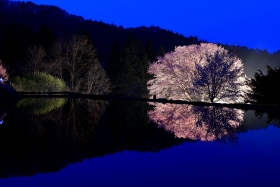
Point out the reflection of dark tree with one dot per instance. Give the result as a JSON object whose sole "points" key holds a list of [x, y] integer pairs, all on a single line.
{"points": [[49, 124], [197, 123], [131, 128], [129, 120], [270, 115], [82, 116]]}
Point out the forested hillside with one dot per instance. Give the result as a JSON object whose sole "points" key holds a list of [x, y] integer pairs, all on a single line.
{"points": [[23, 24], [29, 22]]}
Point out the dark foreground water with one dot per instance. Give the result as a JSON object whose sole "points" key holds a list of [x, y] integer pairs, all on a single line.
{"points": [[97, 143]]}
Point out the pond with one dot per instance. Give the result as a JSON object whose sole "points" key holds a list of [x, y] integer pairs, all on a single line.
{"points": [[80, 142]]}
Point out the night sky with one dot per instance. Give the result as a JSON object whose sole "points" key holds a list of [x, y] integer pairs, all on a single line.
{"points": [[248, 23]]}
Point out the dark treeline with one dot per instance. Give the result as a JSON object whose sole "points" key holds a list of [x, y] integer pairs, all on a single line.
{"points": [[27, 20], [30, 17]]}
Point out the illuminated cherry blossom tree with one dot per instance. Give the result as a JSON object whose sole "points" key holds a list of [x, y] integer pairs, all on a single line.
{"points": [[197, 123], [205, 72]]}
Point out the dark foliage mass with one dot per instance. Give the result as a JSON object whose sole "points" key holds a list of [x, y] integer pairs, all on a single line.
{"points": [[265, 87]]}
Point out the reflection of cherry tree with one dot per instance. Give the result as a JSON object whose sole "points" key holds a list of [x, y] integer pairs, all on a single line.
{"points": [[82, 117], [221, 122], [197, 123]]}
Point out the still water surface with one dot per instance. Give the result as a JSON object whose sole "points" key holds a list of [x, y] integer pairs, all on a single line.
{"points": [[97, 143]]}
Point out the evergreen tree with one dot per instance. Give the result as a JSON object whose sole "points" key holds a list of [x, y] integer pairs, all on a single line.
{"points": [[265, 89], [15, 39], [161, 51], [132, 74], [113, 65], [142, 69], [127, 81], [44, 37], [150, 52]]}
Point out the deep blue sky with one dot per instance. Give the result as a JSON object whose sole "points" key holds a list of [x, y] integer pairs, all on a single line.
{"points": [[252, 23]]}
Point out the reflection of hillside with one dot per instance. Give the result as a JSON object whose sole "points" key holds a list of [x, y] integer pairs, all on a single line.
{"points": [[81, 117], [197, 123], [33, 144], [82, 129]]}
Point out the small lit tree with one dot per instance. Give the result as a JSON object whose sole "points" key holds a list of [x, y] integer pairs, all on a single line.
{"points": [[3, 73], [205, 72]]}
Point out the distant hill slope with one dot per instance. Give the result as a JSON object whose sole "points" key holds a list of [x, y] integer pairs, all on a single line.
{"points": [[63, 24], [27, 18]]}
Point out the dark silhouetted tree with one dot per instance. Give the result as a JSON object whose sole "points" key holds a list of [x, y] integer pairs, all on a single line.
{"points": [[150, 52], [56, 58], [265, 89], [113, 66], [44, 37], [35, 60], [161, 51], [131, 72], [79, 56]]}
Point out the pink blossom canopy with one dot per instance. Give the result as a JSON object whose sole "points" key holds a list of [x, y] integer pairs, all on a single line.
{"points": [[195, 72]]}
